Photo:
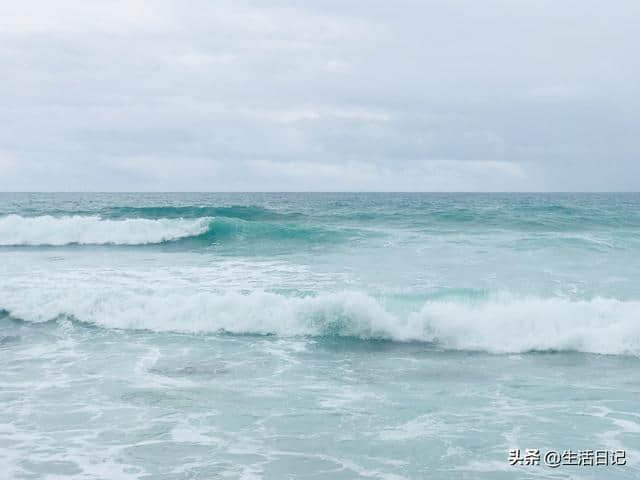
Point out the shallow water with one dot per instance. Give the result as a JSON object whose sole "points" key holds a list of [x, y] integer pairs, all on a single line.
{"points": [[317, 335]]}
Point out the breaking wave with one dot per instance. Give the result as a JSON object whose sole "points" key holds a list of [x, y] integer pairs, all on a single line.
{"points": [[48, 230], [498, 324], [16, 230]]}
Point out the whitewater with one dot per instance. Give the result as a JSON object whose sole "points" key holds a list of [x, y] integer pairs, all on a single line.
{"points": [[350, 335], [93, 230], [502, 324]]}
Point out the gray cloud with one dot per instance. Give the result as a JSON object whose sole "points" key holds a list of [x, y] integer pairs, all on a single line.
{"points": [[327, 95]]}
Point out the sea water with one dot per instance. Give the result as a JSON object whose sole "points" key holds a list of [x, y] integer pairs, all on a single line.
{"points": [[319, 336]]}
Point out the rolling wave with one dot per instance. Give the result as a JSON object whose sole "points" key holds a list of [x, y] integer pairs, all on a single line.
{"points": [[48, 230], [16, 230], [498, 324]]}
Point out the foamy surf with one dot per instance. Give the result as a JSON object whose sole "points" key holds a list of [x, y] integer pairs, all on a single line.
{"points": [[46, 230], [500, 324]]}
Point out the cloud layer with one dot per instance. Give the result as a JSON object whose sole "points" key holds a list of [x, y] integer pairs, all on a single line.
{"points": [[329, 95]]}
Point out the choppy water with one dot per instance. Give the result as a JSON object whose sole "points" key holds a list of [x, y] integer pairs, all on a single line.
{"points": [[317, 336]]}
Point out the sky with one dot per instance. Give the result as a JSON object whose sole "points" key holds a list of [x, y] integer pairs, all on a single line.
{"points": [[322, 95]]}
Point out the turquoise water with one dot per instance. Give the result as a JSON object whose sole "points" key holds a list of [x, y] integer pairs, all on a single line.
{"points": [[320, 336]]}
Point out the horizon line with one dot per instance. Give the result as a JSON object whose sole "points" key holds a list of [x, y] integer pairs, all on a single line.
{"points": [[322, 191]]}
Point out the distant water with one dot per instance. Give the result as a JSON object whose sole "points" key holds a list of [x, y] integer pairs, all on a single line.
{"points": [[320, 336]]}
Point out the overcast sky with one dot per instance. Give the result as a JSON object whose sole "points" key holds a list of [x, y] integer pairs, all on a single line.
{"points": [[403, 95]]}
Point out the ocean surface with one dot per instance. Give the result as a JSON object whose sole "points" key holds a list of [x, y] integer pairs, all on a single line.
{"points": [[317, 336]]}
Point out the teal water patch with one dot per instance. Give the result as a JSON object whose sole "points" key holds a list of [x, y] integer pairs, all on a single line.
{"points": [[222, 228]]}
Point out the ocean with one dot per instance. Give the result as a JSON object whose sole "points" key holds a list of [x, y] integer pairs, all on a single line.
{"points": [[318, 336]]}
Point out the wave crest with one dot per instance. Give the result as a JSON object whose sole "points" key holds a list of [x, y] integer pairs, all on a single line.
{"points": [[499, 324], [48, 230], [16, 230]]}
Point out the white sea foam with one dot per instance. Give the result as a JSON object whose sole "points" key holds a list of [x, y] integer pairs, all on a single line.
{"points": [[510, 324], [500, 324], [16, 230]]}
